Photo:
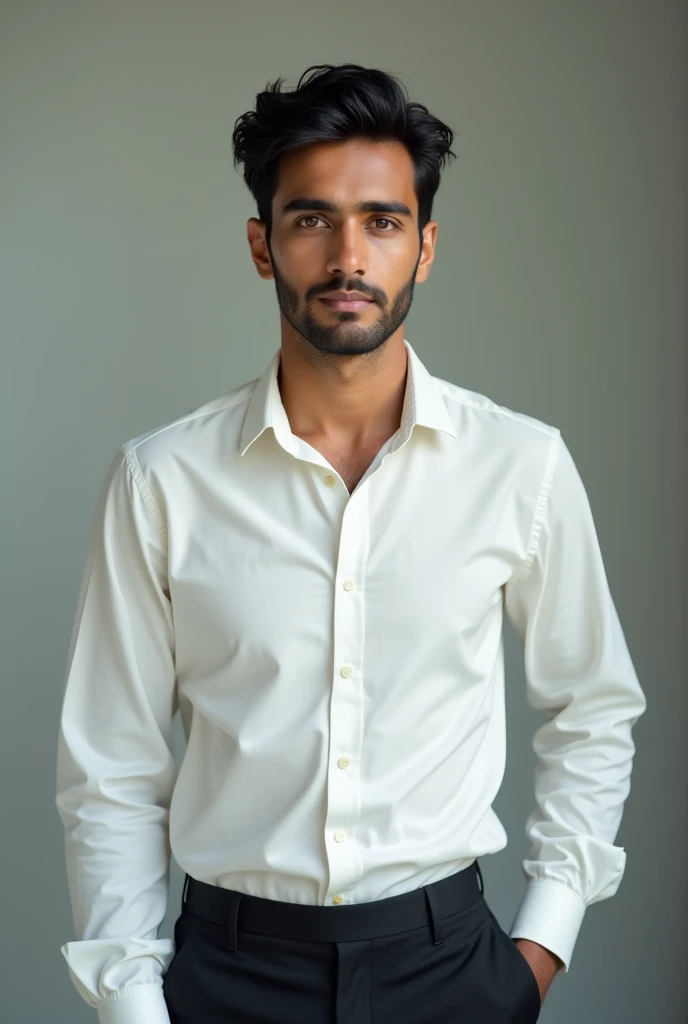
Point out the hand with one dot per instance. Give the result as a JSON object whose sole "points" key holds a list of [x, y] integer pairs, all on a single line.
{"points": [[543, 963]]}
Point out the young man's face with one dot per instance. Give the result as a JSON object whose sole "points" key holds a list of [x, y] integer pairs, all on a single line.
{"points": [[313, 252]]}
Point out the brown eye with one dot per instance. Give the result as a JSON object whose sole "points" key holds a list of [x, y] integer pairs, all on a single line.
{"points": [[386, 220], [311, 216]]}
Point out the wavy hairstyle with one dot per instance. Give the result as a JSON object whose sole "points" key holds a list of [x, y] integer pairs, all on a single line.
{"points": [[335, 103]]}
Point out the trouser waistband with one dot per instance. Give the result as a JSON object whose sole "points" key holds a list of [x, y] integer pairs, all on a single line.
{"points": [[348, 922]]}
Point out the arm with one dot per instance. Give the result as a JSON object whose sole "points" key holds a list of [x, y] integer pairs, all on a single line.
{"points": [[579, 672], [115, 767]]}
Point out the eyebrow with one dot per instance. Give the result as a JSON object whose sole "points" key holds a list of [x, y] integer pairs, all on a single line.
{"points": [[372, 206]]}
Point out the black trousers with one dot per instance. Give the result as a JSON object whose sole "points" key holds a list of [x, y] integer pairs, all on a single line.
{"points": [[435, 955]]}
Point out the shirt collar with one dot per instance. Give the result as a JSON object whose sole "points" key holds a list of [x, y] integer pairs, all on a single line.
{"points": [[423, 406]]}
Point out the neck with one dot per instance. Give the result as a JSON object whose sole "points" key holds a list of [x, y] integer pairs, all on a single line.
{"points": [[347, 401]]}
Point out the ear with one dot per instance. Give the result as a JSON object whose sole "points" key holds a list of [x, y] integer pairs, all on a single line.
{"points": [[260, 254], [427, 251]]}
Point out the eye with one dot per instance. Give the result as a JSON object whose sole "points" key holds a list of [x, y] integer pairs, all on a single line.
{"points": [[311, 216], [393, 226]]}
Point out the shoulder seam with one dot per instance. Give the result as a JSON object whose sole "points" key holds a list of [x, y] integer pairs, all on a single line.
{"points": [[494, 407], [541, 503], [191, 416], [132, 462]]}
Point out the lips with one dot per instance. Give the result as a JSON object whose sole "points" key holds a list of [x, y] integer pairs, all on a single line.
{"points": [[346, 304]]}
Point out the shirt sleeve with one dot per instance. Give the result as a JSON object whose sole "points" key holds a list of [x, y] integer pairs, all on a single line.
{"points": [[579, 672], [115, 764]]}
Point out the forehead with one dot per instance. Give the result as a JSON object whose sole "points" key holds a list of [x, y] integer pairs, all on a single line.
{"points": [[346, 172]]}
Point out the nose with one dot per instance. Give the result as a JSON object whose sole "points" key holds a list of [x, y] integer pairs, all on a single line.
{"points": [[348, 251]]}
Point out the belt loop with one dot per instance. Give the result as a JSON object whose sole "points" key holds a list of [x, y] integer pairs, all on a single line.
{"points": [[480, 876], [187, 879], [435, 918], [232, 929]]}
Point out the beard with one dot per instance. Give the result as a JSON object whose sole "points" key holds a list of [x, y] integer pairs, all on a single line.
{"points": [[346, 336]]}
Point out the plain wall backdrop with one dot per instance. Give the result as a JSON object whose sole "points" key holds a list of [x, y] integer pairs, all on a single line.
{"points": [[559, 289]]}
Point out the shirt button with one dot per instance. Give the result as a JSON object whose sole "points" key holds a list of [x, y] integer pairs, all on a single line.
{"points": [[349, 584], [343, 762], [337, 898], [339, 837], [346, 671], [329, 480]]}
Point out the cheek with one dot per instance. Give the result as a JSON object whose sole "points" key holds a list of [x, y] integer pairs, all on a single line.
{"points": [[394, 266]]}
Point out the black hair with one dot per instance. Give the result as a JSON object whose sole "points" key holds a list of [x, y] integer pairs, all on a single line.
{"points": [[335, 103]]}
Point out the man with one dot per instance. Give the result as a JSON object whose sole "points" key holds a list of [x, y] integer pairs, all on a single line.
{"points": [[313, 569]]}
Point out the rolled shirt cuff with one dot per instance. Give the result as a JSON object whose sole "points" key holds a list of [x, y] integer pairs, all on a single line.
{"points": [[136, 1004]]}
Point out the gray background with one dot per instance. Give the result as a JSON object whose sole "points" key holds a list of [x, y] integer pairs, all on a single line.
{"points": [[559, 289]]}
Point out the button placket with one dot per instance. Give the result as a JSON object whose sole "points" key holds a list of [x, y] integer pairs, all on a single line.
{"points": [[346, 705]]}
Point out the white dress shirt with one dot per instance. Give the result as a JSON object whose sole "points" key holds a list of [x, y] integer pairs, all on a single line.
{"points": [[337, 660]]}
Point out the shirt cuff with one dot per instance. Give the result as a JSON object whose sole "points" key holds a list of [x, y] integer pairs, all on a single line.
{"points": [[550, 914], [136, 1004]]}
